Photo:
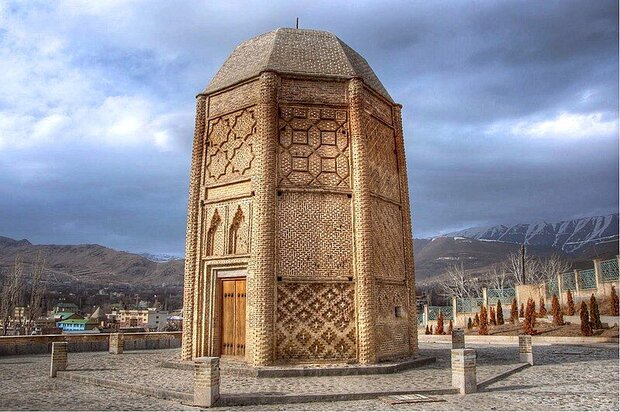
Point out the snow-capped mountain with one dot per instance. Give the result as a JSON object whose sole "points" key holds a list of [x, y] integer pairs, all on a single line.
{"points": [[570, 236], [160, 257]]}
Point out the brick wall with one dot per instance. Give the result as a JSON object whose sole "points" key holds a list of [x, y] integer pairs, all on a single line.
{"points": [[23, 345]]}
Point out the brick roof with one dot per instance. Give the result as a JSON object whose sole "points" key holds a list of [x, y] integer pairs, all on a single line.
{"points": [[295, 51]]}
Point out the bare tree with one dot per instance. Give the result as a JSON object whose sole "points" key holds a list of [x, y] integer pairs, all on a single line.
{"points": [[499, 277], [36, 292], [455, 282], [513, 264], [552, 265], [11, 290]]}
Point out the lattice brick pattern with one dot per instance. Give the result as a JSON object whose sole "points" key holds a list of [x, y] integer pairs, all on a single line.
{"points": [[382, 162], [315, 321], [552, 287], [468, 305], [314, 147], [387, 240], [314, 235], [433, 312], [587, 279], [503, 295], [229, 152], [568, 281], [609, 270]]}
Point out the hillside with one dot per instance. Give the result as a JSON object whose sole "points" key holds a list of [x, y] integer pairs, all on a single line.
{"points": [[92, 264]]}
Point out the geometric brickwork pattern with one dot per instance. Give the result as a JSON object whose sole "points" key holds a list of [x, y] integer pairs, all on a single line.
{"points": [[229, 153], [315, 321], [314, 147], [392, 333], [220, 219], [387, 240], [382, 160], [314, 235]]}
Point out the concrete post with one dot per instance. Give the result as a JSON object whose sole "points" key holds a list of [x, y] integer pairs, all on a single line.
{"points": [[464, 370], [425, 315], [485, 298], [454, 311], [206, 381], [458, 339], [116, 343], [597, 273], [59, 358], [525, 349], [577, 288], [560, 290]]}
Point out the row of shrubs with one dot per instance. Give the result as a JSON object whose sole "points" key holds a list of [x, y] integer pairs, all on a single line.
{"points": [[590, 319]]}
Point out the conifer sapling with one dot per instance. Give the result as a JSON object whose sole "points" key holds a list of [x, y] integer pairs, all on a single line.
{"points": [[500, 313], [586, 328], [571, 303]]}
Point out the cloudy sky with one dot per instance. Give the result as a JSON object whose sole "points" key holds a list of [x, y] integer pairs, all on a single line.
{"points": [[510, 108]]}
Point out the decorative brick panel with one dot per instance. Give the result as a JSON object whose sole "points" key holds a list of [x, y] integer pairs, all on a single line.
{"points": [[392, 321], [233, 99], [313, 92], [387, 240], [314, 147], [218, 224], [314, 235], [382, 159], [229, 151], [315, 321]]}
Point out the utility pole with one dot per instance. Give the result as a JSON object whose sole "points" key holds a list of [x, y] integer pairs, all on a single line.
{"points": [[523, 263]]}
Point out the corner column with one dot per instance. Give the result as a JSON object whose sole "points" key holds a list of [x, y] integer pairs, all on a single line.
{"points": [[364, 281], [261, 271], [191, 234], [407, 230]]}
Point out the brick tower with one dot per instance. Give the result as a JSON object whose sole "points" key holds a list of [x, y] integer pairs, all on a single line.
{"points": [[299, 244]]}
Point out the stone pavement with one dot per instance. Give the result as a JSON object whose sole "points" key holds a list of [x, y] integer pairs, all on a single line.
{"points": [[564, 378]]}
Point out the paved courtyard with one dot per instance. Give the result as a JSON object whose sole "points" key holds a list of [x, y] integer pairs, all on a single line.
{"points": [[564, 378]]}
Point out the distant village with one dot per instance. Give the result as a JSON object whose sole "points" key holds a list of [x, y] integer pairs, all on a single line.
{"points": [[31, 305]]}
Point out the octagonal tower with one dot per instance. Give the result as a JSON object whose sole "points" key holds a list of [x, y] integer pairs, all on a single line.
{"points": [[299, 245]]}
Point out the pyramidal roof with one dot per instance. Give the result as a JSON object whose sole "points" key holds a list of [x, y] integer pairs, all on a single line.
{"points": [[295, 51], [97, 314]]}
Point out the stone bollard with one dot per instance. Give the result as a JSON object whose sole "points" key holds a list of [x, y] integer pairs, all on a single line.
{"points": [[206, 381], [116, 343], [458, 339], [464, 370], [525, 349], [59, 358]]}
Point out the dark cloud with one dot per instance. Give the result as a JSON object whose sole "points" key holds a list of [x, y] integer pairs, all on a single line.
{"points": [[487, 89]]}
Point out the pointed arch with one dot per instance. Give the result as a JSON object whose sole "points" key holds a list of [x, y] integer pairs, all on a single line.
{"points": [[233, 234], [215, 222]]}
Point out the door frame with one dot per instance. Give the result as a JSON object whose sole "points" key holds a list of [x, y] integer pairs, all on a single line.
{"points": [[212, 298]]}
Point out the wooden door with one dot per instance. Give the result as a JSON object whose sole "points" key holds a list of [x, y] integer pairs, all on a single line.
{"points": [[233, 317]]}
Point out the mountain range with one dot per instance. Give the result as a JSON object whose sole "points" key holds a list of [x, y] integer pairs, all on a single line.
{"points": [[578, 241], [569, 236]]}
